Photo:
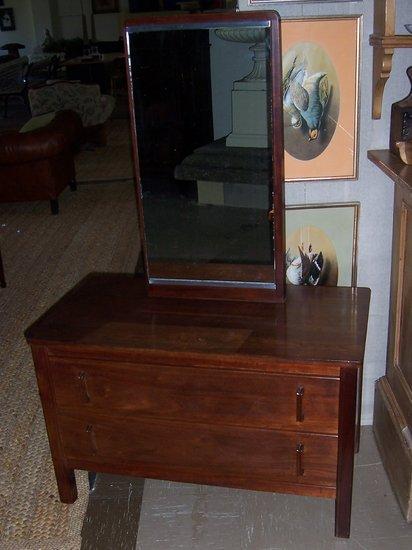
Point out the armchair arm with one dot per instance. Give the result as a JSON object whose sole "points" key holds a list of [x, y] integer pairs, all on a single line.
{"points": [[42, 143], [18, 148]]}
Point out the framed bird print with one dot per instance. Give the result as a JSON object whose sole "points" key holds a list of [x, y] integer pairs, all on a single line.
{"points": [[321, 244], [105, 6], [320, 97], [7, 21]]}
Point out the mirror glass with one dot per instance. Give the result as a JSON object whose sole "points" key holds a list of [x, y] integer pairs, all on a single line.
{"points": [[201, 101]]}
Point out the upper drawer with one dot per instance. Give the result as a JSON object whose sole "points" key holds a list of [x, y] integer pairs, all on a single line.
{"points": [[197, 394]]}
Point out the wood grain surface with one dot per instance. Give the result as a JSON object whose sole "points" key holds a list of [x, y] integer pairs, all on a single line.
{"points": [[315, 325], [294, 402], [185, 451], [393, 167], [248, 395]]}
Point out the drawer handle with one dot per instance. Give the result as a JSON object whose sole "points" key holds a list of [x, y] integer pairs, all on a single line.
{"points": [[83, 385], [92, 437], [299, 459], [299, 404]]}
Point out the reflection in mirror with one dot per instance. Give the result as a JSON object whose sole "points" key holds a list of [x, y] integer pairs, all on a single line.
{"points": [[201, 100]]}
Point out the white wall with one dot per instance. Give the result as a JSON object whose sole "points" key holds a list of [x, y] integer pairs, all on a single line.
{"points": [[42, 19], [69, 19], [373, 189], [32, 17], [108, 25], [62, 17], [229, 61], [24, 32]]}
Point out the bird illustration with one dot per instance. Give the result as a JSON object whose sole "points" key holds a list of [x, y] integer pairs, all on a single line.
{"points": [[293, 73], [306, 268], [294, 272], [305, 97], [311, 98]]}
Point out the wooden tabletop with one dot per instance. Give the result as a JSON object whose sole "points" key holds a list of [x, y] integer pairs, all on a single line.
{"points": [[316, 324], [393, 166]]}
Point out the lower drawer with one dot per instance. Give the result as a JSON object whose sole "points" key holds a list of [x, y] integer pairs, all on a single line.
{"points": [[201, 449]]}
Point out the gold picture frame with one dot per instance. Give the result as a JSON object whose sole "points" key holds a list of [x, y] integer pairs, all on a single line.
{"points": [[321, 57], [332, 230]]}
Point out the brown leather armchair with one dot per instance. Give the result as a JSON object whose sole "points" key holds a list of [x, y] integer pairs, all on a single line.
{"points": [[39, 164]]}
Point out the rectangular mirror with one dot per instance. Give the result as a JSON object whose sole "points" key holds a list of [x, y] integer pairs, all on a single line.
{"points": [[205, 97]]}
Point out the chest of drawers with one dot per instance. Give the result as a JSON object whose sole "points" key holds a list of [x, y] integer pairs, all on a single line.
{"points": [[249, 395]]}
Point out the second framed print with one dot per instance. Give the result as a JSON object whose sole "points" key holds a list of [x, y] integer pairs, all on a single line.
{"points": [[321, 244], [320, 97]]}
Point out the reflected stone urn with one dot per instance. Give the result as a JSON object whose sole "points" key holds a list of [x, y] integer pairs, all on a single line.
{"points": [[249, 95]]}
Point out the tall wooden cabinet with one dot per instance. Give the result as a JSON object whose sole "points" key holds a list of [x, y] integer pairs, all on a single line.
{"points": [[393, 400]]}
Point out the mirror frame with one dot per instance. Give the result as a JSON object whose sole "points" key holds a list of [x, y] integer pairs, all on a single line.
{"points": [[225, 290]]}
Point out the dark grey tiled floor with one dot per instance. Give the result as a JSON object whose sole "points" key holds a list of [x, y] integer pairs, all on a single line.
{"points": [[112, 516], [182, 516], [176, 516]]}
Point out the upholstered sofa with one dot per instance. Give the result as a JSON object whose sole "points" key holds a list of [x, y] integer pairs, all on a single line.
{"points": [[39, 164], [85, 99]]}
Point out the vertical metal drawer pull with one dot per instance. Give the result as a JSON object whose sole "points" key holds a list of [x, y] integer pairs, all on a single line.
{"points": [[83, 385], [300, 390], [92, 437], [299, 459]]}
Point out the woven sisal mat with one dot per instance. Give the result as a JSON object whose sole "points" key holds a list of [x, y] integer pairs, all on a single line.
{"points": [[109, 163], [44, 256]]}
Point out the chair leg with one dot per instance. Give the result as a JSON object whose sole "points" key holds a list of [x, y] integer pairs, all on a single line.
{"points": [[73, 185], [54, 206]]}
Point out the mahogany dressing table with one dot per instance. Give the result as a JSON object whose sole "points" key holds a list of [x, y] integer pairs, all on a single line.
{"points": [[204, 369]]}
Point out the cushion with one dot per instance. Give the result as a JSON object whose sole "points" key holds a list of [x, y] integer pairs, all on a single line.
{"points": [[37, 122]]}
